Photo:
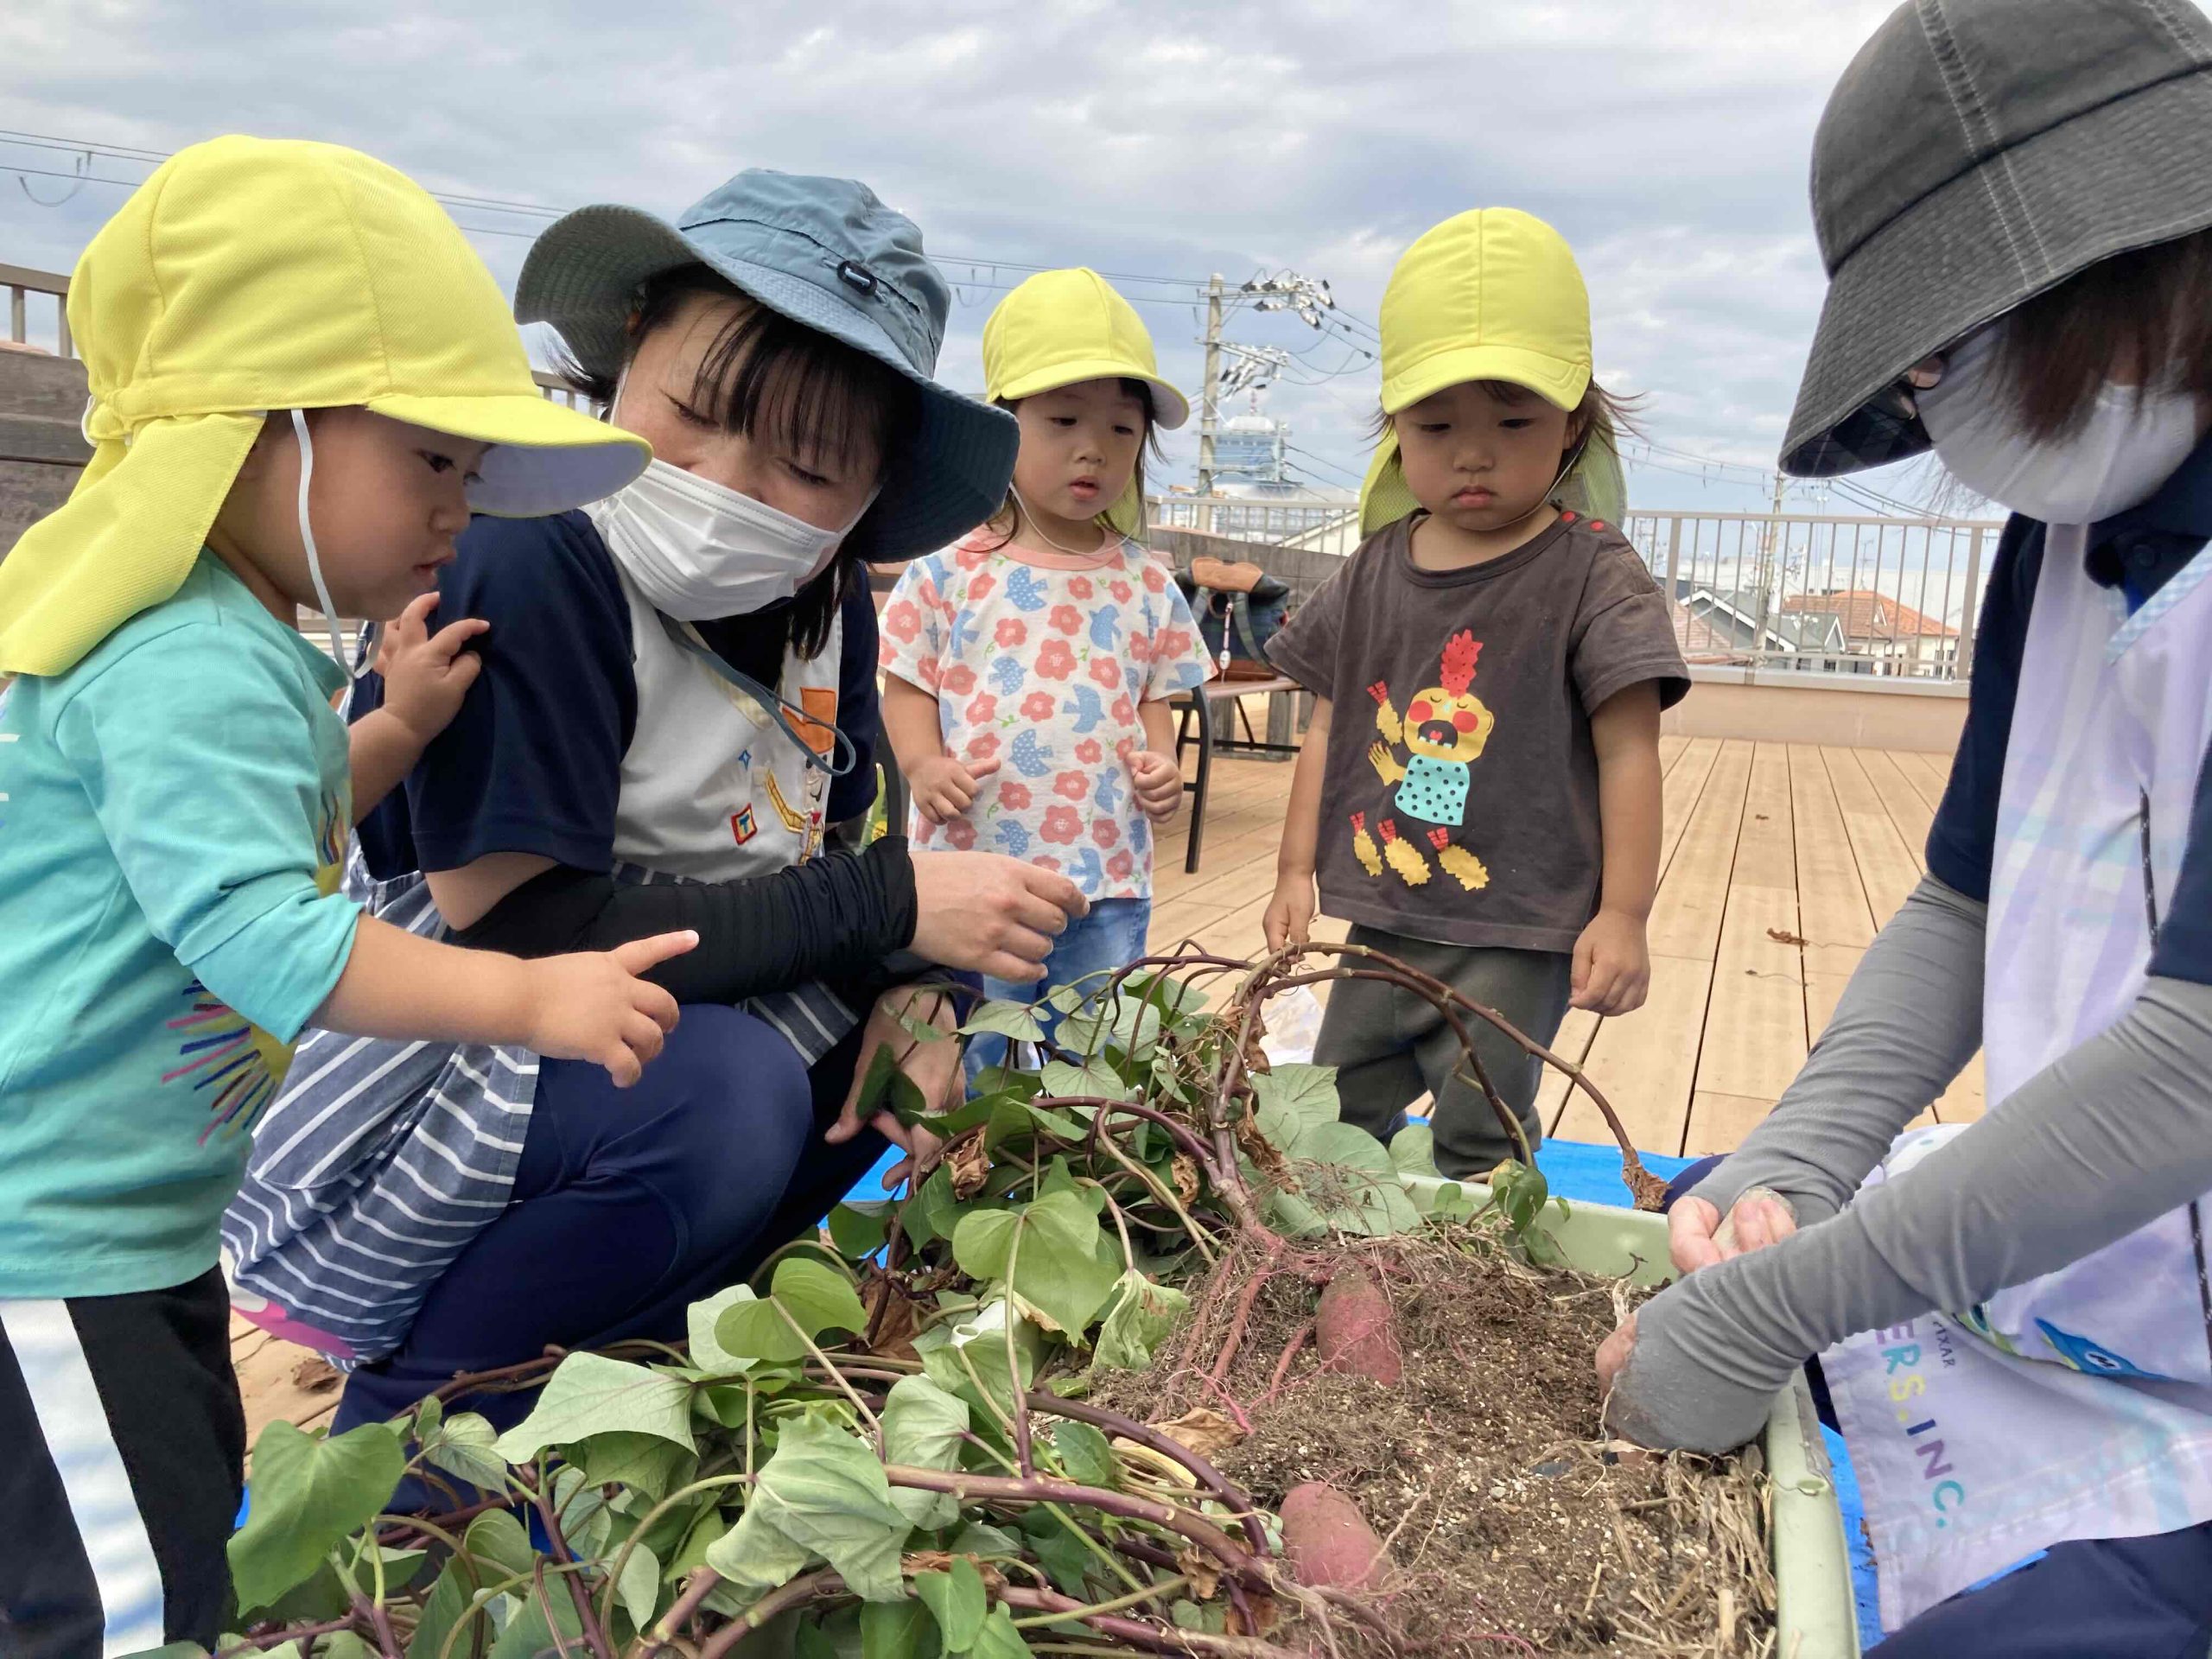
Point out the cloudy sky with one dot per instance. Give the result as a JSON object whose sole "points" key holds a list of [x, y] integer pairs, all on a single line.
{"points": [[1667, 138]]}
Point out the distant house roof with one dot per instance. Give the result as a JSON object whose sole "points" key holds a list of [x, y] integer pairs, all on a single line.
{"points": [[1721, 625], [1866, 614]]}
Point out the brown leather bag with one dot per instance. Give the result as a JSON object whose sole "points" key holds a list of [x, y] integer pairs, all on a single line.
{"points": [[1224, 577]]}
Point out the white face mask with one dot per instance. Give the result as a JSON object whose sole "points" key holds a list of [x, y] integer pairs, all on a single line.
{"points": [[699, 550], [2130, 444]]}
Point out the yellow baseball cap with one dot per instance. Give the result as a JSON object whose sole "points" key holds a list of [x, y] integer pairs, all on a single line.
{"points": [[248, 275], [1493, 294], [1062, 326]]}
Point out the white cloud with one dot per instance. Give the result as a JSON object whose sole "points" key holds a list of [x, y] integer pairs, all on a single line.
{"points": [[1668, 139]]}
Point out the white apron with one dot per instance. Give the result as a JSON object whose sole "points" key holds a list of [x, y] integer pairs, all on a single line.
{"points": [[2078, 1405], [717, 785]]}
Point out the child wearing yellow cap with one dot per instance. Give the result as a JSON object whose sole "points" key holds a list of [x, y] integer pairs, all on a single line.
{"points": [[1489, 809], [1028, 669], [303, 380]]}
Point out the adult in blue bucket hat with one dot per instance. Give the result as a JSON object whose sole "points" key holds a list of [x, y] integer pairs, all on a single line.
{"points": [[675, 714]]}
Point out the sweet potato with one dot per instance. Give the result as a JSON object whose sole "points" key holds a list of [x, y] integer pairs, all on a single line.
{"points": [[1328, 1541], [1356, 1329]]}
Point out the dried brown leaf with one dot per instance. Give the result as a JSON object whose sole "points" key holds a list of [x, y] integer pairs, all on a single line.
{"points": [[969, 1164], [315, 1375], [1203, 1570], [1784, 936], [1185, 1171], [1203, 1430]]}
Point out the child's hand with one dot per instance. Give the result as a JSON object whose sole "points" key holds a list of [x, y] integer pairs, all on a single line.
{"points": [[1612, 968], [943, 786], [1289, 914], [1157, 782], [593, 1006], [427, 674]]}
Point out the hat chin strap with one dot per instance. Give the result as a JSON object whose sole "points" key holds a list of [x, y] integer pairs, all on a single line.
{"points": [[315, 562]]}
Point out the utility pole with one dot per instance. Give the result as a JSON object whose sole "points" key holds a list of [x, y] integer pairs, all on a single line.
{"points": [[1209, 403], [1771, 551]]}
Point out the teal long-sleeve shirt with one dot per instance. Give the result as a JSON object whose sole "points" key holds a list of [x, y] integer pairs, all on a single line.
{"points": [[174, 811]]}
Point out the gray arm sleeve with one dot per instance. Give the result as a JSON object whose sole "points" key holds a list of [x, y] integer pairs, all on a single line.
{"points": [[2111, 1136], [1909, 1021]]}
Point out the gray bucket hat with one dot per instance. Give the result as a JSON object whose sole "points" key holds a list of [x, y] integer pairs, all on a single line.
{"points": [[1975, 154], [824, 252]]}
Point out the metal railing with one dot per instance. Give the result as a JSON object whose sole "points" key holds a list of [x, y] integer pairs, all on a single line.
{"points": [[22, 283], [1893, 597]]}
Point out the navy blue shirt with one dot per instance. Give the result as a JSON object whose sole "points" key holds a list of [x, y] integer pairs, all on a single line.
{"points": [[533, 762], [2136, 552]]}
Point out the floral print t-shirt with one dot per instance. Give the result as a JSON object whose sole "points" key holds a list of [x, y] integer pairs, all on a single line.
{"points": [[1043, 668]]}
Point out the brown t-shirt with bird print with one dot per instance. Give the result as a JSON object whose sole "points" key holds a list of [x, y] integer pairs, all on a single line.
{"points": [[1460, 797]]}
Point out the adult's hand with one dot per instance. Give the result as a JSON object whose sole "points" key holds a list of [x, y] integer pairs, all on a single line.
{"points": [[1698, 1237], [932, 1067], [991, 914]]}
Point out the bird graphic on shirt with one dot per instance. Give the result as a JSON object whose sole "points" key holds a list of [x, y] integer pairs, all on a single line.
{"points": [[1088, 707], [1443, 733], [1028, 754], [1087, 869], [2080, 1354], [1106, 628], [1026, 591], [1007, 675], [1012, 836], [964, 622], [1108, 797]]}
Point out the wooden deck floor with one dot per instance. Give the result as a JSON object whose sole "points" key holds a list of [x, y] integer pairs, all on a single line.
{"points": [[1777, 864]]}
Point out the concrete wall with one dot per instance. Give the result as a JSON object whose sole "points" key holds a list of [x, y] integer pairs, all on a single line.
{"points": [[1847, 710], [41, 449]]}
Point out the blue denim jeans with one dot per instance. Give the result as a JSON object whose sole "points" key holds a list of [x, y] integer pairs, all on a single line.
{"points": [[1112, 936]]}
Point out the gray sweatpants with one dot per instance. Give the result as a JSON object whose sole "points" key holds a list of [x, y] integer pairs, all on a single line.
{"points": [[1390, 1047]]}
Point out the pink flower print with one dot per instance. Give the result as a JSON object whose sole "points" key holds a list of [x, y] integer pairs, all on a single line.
{"points": [[971, 557], [1072, 785], [1011, 631], [1067, 619], [1106, 832], [980, 586], [1080, 588], [959, 680], [1054, 660], [1124, 712], [1013, 796], [1061, 825], [1122, 866], [1155, 580], [1122, 591], [1091, 752], [926, 669], [902, 620], [1139, 648], [1039, 705], [960, 833], [984, 709], [1172, 643], [1047, 862], [1107, 673], [982, 746]]}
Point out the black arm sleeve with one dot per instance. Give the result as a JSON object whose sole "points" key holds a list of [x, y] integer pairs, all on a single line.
{"points": [[836, 918]]}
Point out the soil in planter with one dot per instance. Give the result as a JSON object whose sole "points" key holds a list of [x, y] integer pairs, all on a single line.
{"points": [[1509, 1527]]}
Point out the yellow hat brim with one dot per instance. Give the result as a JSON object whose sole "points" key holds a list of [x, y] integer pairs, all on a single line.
{"points": [[544, 459], [1558, 380], [1171, 409]]}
